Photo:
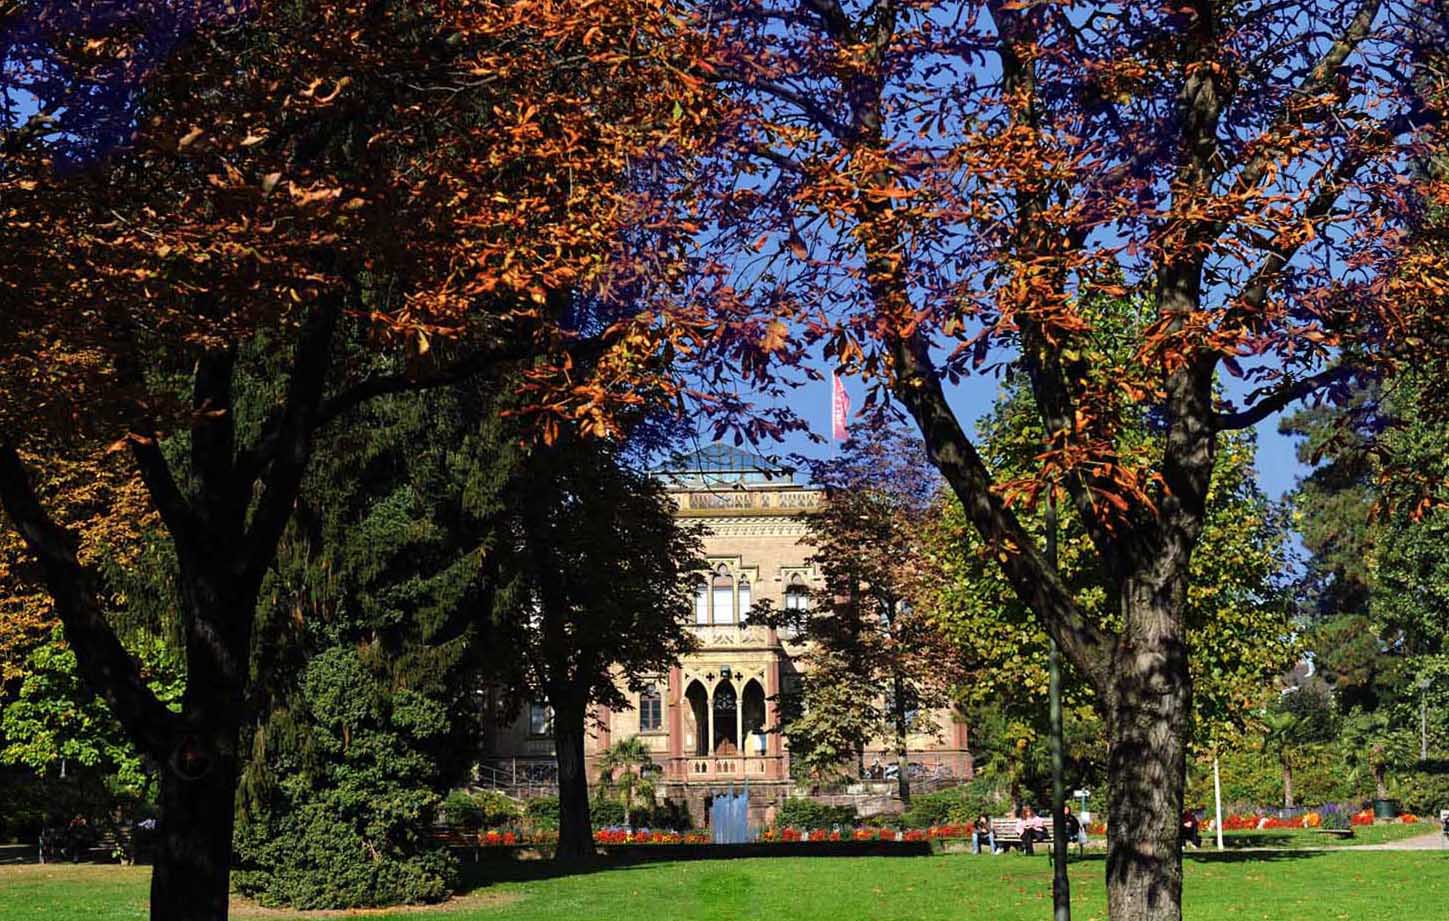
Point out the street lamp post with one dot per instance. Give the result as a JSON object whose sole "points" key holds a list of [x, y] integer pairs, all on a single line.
{"points": [[1061, 887]]}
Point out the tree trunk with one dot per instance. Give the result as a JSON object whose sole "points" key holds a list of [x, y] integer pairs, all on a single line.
{"points": [[575, 830], [903, 756], [1147, 762], [1287, 781], [191, 879]]}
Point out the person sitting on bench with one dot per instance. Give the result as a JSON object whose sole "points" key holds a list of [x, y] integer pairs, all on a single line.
{"points": [[1032, 829], [981, 831], [1073, 825]]}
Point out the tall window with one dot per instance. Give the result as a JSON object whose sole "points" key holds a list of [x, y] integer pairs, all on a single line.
{"points": [[797, 598], [540, 720], [701, 603], [724, 597], [744, 599], [651, 709]]}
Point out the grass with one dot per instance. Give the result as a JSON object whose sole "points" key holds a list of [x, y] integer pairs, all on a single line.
{"points": [[1338, 885]]}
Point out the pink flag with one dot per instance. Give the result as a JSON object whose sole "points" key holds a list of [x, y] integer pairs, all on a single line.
{"points": [[839, 409]]}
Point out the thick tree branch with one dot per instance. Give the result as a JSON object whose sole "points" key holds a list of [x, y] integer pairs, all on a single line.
{"points": [[462, 370], [808, 106], [103, 662], [1050, 390], [834, 18], [221, 502], [176, 512], [1036, 582], [1280, 397], [297, 425]]}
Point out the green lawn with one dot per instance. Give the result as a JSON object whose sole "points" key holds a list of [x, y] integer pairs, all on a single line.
{"points": [[1341, 885]]}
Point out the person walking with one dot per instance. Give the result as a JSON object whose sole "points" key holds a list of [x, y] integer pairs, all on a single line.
{"points": [[1191, 829]]}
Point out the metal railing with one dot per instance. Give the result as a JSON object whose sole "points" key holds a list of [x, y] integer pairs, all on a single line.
{"points": [[519, 777]]}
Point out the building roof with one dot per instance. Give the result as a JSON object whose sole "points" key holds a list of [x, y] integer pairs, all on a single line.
{"points": [[720, 465]]}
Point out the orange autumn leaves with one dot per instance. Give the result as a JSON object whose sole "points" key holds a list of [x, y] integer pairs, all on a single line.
{"points": [[463, 174]]}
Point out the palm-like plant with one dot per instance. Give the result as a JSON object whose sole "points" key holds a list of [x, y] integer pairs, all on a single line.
{"points": [[625, 769]]}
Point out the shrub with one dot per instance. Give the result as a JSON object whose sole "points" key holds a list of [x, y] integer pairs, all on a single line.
{"points": [[462, 810], [499, 811], [929, 809], [542, 813], [800, 812], [605, 811], [1424, 794], [480, 809], [310, 860]]}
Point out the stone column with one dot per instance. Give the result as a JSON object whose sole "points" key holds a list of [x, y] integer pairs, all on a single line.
{"points": [[740, 726], [709, 718], [673, 720], [596, 741], [772, 705]]}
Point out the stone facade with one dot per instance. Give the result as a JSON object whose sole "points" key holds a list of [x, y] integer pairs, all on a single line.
{"points": [[708, 720]]}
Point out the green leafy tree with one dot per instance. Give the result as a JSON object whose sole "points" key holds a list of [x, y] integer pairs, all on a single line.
{"points": [[367, 651], [72, 756], [1303, 715], [595, 590]]}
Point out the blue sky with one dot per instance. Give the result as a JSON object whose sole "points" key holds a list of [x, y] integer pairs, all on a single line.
{"points": [[1278, 467]]}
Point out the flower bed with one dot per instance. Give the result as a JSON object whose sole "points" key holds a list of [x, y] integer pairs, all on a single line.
{"points": [[1313, 819], [643, 836]]}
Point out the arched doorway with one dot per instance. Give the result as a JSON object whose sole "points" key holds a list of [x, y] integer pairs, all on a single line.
{"points": [[726, 727], [698, 700], [752, 704]]}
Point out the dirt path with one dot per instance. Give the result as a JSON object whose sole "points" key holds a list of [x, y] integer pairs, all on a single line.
{"points": [[1433, 841]]}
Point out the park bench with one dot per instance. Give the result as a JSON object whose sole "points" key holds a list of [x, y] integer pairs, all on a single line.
{"points": [[1007, 834], [454, 838]]}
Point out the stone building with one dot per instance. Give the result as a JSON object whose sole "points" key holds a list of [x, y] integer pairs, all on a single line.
{"points": [[708, 721]]}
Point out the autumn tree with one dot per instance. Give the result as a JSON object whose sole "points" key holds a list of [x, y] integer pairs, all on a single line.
{"points": [[878, 667], [439, 186], [595, 592], [1239, 623], [937, 188]]}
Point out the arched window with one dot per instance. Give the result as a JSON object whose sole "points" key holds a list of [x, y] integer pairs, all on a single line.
{"points": [[724, 596], [701, 603], [651, 709], [745, 601]]}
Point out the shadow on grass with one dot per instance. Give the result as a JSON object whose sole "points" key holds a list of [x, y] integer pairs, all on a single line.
{"points": [[1279, 855], [493, 870], [490, 872]]}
